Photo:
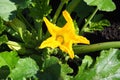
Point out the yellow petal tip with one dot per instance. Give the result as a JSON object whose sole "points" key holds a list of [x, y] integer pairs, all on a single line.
{"points": [[72, 57], [40, 47], [87, 42]]}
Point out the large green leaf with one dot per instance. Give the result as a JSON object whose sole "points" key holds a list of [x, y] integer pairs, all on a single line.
{"points": [[6, 9], [8, 58], [19, 68], [25, 68], [104, 5], [107, 67]]}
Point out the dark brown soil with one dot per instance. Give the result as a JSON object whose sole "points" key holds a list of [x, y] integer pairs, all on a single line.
{"points": [[111, 33]]}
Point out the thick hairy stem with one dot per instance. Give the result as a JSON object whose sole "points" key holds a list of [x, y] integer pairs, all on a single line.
{"points": [[79, 49]]}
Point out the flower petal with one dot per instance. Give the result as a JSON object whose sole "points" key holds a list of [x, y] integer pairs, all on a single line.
{"points": [[69, 26], [67, 47], [80, 39], [67, 16], [51, 27], [50, 42]]}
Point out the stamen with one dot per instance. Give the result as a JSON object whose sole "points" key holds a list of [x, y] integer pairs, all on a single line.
{"points": [[60, 38]]}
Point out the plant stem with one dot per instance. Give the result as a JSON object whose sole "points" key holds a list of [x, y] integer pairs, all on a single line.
{"points": [[23, 18], [88, 21], [57, 13], [72, 5], [39, 30], [95, 47]]}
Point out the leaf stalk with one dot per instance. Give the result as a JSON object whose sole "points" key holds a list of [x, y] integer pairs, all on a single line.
{"points": [[88, 21], [79, 49]]}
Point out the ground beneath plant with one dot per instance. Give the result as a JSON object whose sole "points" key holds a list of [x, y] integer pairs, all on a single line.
{"points": [[111, 33]]}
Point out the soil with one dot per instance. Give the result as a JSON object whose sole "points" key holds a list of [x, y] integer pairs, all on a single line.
{"points": [[111, 33]]}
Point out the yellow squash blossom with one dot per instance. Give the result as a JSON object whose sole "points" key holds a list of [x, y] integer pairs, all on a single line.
{"points": [[63, 37]]}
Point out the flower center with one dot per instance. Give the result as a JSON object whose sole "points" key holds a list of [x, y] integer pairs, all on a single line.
{"points": [[60, 38]]}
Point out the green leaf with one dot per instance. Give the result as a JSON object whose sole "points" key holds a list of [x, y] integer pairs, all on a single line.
{"points": [[19, 68], [86, 63], [94, 26], [51, 69], [107, 67], [22, 3], [76, 27], [20, 28], [4, 72], [29, 38], [103, 5], [8, 58], [2, 26], [3, 39], [18, 25], [65, 69], [16, 46], [39, 9], [38, 59], [13, 33], [25, 68], [6, 9]]}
